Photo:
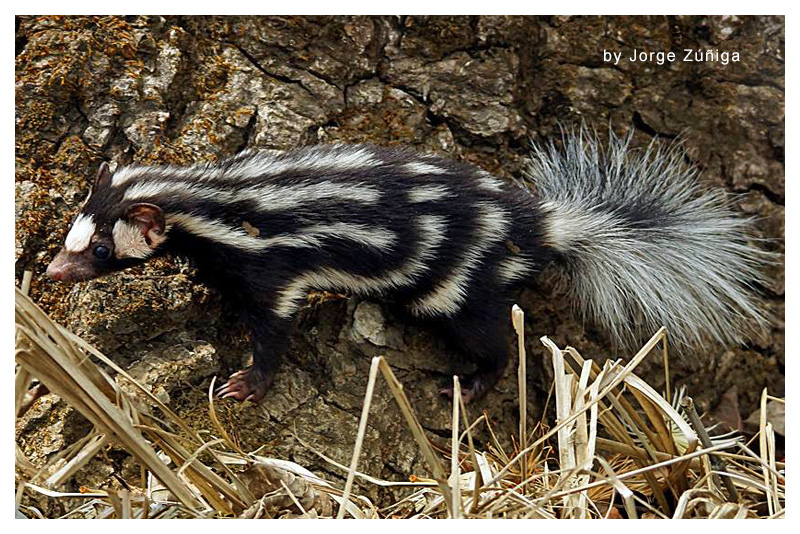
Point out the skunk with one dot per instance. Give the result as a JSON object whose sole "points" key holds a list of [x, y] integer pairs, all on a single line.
{"points": [[641, 243]]}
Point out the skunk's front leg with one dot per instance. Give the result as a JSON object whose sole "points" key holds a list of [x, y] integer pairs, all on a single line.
{"points": [[270, 337]]}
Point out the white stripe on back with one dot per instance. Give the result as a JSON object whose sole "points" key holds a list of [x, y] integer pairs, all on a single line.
{"points": [[416, 167], [323, 158], [313, 236], [487, 182], [450, 294], [216, 231], [428, 193], [513, 268], [268, 197], [432, 230]]}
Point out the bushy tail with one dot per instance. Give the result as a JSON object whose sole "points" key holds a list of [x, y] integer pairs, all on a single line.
{"points": [[644, 245]]}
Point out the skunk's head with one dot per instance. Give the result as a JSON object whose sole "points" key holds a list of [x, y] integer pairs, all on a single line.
{"points": [[108, 234]]}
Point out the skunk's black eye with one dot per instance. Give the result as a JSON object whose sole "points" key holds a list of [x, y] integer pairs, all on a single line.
{"points": [[101, 252]]}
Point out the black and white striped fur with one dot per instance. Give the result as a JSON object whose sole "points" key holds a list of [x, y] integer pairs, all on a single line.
{"points": [[450, 242]]}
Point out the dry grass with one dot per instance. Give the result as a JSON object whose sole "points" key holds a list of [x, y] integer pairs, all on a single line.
{"points": [[619, 448]]}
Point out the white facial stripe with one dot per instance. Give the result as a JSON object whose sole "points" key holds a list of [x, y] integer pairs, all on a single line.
{"points": [[431, 228], [417, 167], [428, 193], [450, 294], [268, 197], [129, 241], [80, 235]]}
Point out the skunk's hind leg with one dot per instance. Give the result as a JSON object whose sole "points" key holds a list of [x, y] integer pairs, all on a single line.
{"points": [[482, 335]]}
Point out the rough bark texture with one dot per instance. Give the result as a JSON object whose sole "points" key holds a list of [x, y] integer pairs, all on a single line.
{"points": [[183, 89]]}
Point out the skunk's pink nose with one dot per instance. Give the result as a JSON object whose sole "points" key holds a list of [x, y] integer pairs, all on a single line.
{"points": [[56, 272], [63, 267]]}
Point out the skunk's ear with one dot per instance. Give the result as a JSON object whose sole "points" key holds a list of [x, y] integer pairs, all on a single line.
{"points": [[103, 178], [150, 220]]}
